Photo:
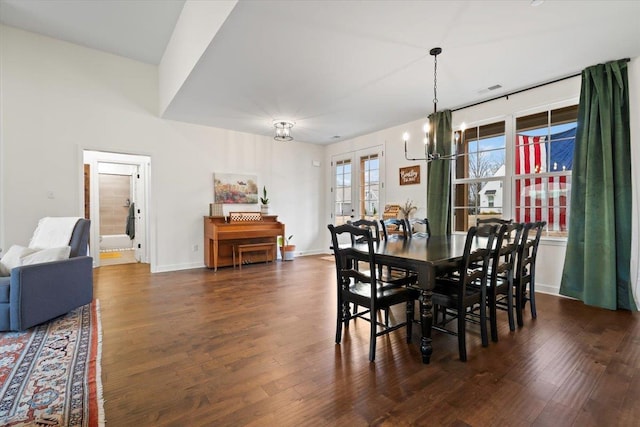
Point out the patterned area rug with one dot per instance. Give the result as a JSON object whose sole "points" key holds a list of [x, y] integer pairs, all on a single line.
{"points": [[50, 374]]}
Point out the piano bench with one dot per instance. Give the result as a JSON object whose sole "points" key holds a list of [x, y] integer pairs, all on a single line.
{"points": [[267, 248]]}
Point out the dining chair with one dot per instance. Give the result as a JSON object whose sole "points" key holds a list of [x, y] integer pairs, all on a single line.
{"points": [[501, 272], [387, 276], [457, 293], [525, 272], [374, 226], [423, 229], [366, 290], [492, 221], [393, 226], [366, 223]]}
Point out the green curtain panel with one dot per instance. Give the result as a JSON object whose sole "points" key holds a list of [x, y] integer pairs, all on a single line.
{"points": [[596, 267], [439, 177]]}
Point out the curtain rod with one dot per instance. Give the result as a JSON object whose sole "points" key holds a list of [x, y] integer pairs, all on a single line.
{"points": [[506, 95]]}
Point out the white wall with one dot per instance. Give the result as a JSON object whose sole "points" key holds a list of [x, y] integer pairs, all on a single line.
{"points": [[59, 99], [552, 251]]}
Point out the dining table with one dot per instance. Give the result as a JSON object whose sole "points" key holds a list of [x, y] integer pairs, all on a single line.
{"points": [[424, 256]]}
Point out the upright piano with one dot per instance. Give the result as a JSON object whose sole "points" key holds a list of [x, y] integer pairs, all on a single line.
{"points": [[222, 235]]}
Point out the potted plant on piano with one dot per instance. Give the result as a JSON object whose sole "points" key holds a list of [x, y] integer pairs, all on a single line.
{"points": [[287, 250], [264, 200]]}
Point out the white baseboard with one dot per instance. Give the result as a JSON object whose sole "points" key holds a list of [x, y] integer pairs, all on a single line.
{"points": [[175, 267], [547, 289], [311, 252]]}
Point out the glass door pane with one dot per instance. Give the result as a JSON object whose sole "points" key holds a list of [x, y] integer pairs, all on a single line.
{"points": [[369, 191], [343, 210], [357, 188]]}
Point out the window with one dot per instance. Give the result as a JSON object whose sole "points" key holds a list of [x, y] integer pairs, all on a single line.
{"points": [[543, 159], [529, 180], [370, 186], [479, 175]]}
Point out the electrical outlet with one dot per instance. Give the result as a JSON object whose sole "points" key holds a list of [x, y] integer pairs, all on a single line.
{"points": [[195, 248]]}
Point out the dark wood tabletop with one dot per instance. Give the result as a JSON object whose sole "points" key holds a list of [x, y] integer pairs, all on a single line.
{"points": [[433, 250]]}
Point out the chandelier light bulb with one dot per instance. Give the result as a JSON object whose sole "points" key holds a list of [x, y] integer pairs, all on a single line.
{"points": [[405, 136], [426, 127]]}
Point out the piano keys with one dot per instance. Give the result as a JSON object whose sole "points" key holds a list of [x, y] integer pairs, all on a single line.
{"points": [[221, 237]]}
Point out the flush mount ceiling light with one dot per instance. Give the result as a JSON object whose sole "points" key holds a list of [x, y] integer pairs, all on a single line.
{"points": [[283, 130]]}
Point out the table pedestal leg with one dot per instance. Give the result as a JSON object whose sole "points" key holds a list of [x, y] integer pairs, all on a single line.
{"points": [[426, 319]]}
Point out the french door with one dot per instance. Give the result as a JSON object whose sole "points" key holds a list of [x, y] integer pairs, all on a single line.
{"points": [[357, 188]]}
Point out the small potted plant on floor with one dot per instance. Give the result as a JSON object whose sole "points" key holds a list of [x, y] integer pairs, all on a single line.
{"points": [[264, 200], [287, 250]]}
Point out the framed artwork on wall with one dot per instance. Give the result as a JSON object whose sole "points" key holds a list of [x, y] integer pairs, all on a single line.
{"points": [[235, 188], [410, 175]]}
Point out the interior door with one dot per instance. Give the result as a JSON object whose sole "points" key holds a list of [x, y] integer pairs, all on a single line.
{"points": [[140, 242]]}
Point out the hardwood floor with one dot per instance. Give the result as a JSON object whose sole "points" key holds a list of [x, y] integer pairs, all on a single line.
{"points": [[256, 348]]}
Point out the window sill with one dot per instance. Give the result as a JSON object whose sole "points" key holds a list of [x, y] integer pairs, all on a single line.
{"points": [[553, 241]]}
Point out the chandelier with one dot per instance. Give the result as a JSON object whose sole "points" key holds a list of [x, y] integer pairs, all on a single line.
{"points": [[430, 132], [283, 130]]}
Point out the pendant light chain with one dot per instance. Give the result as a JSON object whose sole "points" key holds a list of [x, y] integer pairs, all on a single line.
{"points": [[435, 83]]}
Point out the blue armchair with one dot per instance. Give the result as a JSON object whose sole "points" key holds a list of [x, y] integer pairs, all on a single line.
{"points": [[36, 293]]}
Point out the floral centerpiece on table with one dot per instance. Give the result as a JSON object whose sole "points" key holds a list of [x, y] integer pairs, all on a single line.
{"points": [[408, 208]]}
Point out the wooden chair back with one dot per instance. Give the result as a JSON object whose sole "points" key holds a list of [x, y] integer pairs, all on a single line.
{"points": [[504, 254], [393, 225], [494, 221], [500, 280], [347, 258], [525, 272], [475, 263], [365, 223], [425, 229], [528, 248]]}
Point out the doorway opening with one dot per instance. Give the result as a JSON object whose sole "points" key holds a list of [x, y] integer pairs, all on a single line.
{"points": [[116, 201]]}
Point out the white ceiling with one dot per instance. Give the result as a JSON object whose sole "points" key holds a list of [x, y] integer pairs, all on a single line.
{"points": [[348, 68]]}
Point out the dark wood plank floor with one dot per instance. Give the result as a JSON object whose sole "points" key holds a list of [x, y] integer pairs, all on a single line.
{"points": [[256, 347]]}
